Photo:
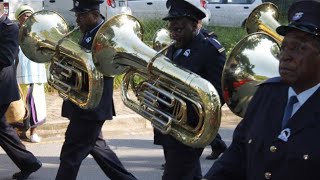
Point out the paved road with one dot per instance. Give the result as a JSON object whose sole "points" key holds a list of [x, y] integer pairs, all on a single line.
{"points": [[134, 148]]}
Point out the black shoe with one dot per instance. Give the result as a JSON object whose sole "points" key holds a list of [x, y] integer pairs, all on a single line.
{"points": [[24, 174]]}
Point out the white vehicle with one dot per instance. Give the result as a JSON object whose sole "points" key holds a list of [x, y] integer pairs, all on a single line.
{"points": [[231, 13], [149, 9], [37, 5], [114, 7]]}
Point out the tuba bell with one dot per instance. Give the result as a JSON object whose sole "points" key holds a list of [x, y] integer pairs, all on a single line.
{"points": [[154, 87], [264, 18], [253, 59], [44, 37]]}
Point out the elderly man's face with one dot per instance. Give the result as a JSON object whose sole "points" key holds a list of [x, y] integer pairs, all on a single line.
{"points": [[182, 30], [300, 60], [86, 20]]}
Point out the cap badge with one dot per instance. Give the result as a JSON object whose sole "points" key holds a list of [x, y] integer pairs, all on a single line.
{"points": [[297, 16], [76, 4]]}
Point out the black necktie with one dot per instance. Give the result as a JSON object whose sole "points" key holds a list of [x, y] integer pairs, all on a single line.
{"points": [[288, 110]]}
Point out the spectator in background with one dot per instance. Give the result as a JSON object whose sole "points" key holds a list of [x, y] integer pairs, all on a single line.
{"points": [[9, 139], [32, 77]]}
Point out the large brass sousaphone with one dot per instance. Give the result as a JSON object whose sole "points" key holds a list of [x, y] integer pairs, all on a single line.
{"points": [[253, 59], [44, 38], [154, 87]]}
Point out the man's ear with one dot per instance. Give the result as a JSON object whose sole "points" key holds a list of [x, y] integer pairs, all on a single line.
{"points": [[194, 24]]}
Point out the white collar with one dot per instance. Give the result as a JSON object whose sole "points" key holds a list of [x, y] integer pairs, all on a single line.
{"points": [[303, 96]]}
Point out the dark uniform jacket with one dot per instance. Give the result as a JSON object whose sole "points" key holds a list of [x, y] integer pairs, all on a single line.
{"points": [[257, 153], [9, 32], [205, 58], [105, 109]]}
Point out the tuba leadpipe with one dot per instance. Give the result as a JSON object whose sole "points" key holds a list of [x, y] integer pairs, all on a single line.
{"points": [[44, 37], [153, 86]]}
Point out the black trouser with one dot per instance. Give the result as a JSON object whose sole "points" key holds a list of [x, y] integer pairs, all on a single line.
{"points": [[182, 163], [84, 137], [218, 144], [11, 144]]}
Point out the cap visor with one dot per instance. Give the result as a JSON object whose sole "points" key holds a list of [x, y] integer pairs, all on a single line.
{"points": [[283, 30], [175, 17], [169, 17], [79, 10]]}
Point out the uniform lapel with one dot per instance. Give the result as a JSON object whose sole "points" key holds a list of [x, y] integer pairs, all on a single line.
{"points": [[273, 116], [170, 53], [278, 110]]}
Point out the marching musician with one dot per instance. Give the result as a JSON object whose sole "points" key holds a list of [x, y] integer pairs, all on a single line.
{"points": [[83, 135], [202, 56], [277, 139], [9, 139]]}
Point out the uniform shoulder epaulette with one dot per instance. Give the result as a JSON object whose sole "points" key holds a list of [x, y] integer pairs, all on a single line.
{"points": [[8, 22], [271, 81], [216, 44], [11, 23]]}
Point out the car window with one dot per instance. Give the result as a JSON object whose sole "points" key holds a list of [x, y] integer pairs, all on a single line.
{"points": [[215, 1], [230, 1]]}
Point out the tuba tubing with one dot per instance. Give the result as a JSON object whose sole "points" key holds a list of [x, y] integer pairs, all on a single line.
{"points": [[70, 70], [153, 86]]}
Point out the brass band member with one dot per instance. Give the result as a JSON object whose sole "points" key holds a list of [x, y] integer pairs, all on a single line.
{"points": [[277, 137], [83, 135], [197, 53], [9, 139]]}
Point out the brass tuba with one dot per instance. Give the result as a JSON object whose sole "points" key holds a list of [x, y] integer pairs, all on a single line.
{"points": [[44, 38], [153, 86], [264, 18], [253, 59]]}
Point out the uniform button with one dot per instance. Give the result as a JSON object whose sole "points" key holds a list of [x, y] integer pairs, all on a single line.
{"points": [[306, 156], [273, 149], [267, 175], [250, 141]]}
